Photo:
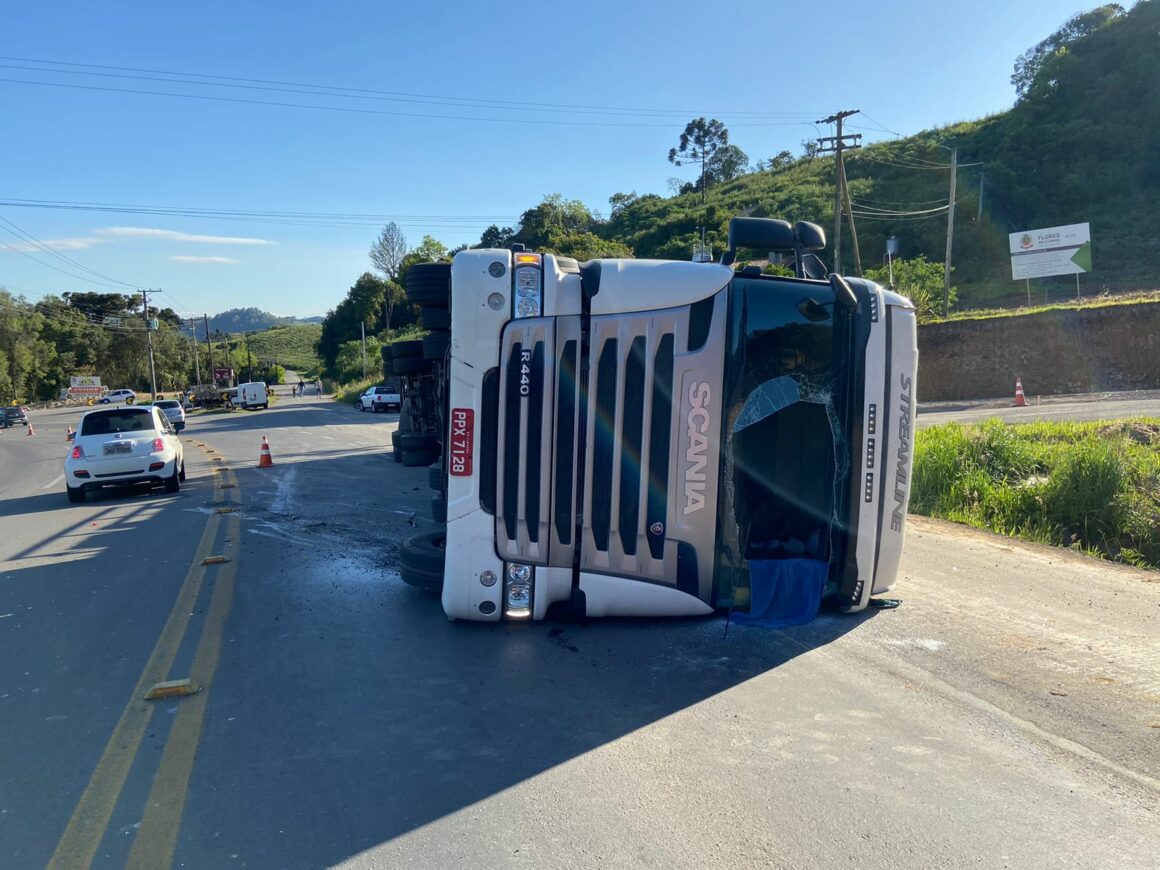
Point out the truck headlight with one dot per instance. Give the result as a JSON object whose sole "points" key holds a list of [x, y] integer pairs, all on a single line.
{"points": [[517, 591], [528, 278]]}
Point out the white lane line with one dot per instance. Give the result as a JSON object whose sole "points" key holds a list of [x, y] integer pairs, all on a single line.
{"points": [[54, 481]]}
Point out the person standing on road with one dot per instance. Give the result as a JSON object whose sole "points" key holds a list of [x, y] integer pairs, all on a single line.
{"points": [[294, 390], [301, 387], [318, 387]]}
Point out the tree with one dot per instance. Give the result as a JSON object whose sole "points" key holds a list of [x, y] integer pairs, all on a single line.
{"points": [[780, 160], [359, 310], [554, 218], [727, 163], [496, 237], [700, 140], [919, 281], [809, 148], [387, 256], [1032, 68]]}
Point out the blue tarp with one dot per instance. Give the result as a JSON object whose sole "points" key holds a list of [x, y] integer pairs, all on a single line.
{"points": [[783, 592]]}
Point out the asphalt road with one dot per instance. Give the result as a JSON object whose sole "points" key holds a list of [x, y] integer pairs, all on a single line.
{"points": [[1092, 406], [1007, 714]]}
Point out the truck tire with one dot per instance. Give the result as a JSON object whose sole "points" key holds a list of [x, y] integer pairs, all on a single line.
{"points": [[421, 561], [419, 458], [412, 347], [439, 509], [429, 284], [417, 441], [396, 450], [435, 345], [410, 365], [434, 318], [435, 476], [385, 351]]}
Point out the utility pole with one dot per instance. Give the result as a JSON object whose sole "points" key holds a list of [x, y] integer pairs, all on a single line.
{"points": [[196, 355], [850, 218], [363, 330], [837, 144], [979, 216], [149, 341], [249, 359], [209, 349], [950, 232]]}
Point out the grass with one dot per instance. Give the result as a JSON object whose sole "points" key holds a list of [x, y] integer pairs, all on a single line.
{"points": [[1094, 487], [293, 346], [1063, 305]]}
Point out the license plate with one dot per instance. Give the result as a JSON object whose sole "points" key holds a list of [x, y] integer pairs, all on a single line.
{"points": [[462, 446], [118, 447]]}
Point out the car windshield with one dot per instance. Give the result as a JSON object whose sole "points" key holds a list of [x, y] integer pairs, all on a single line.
{"points": [[169, 403], [13, 412], [135, 420]]}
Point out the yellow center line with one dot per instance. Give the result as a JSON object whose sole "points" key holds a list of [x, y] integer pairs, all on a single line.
{"points": [[156, 838], [86, 827], [90, 819]]}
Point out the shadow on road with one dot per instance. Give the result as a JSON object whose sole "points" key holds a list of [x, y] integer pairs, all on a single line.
{"points": [[348, 711]]}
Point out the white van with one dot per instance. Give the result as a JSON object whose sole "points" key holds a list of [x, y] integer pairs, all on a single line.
{"points": [[252, 395]]}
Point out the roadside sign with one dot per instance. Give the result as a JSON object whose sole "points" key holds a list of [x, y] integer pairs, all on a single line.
{"points": [[82, 391], [85, 381], [1063, 250]]}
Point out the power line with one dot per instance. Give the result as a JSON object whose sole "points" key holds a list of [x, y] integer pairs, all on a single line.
{"points": [[48, 249], [210, 80], [357, 111]]}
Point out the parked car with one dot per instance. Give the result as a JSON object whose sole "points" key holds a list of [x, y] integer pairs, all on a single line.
{"points": [[122, 447], [172, 409], [118, 396], [379, 399], [12, 415]]}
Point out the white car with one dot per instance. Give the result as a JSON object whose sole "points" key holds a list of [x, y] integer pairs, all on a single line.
{"points": [[118, 396], [380, 399], [124, 446], [173, 410]]}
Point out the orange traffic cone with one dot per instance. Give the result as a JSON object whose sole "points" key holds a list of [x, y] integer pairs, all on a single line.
{"points": [[69, 434], [264, 458], [1020, 401], [30, 431]]}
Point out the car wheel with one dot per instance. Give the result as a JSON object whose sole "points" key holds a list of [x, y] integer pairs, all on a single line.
{"points": [[421, 561], [419, 458], [75, 495], [173, 482], [181, 474]]}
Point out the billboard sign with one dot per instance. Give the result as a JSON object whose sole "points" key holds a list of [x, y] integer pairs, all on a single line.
{"points": [[223, 374], [85, 381], [1052, 251]]}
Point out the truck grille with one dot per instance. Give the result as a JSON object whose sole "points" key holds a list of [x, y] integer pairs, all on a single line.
{"points": [[630, 430]]}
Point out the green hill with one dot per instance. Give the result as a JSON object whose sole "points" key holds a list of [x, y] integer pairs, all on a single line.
{"points": [[292, 347], [1075, 148]]}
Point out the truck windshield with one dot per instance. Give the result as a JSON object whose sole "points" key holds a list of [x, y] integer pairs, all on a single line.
{"points": [[785, 456]]}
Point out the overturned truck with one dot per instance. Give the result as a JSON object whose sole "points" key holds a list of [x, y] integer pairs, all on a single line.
{"points": [[633, 437]]}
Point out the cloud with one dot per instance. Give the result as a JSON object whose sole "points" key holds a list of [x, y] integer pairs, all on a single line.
{"points": [[185, 258], [175, 236], [78, 244]]}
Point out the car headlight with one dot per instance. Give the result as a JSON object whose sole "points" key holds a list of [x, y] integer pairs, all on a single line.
{"points": [[519, 583]]}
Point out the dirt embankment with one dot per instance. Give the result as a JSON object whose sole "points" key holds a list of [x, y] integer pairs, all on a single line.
{"points": [[1116, 347]]}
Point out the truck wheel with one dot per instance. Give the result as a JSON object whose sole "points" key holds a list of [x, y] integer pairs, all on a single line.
{"points": [[435, 318], [417, 441], [419, 458], [435, 345], [409, 365], [396, 451], [435, 476], [429, 284], [421, 561], [386, 351], [439, 509], [412, 347]]}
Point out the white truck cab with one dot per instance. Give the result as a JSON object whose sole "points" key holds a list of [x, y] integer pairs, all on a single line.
{"points": [[621, 437]]}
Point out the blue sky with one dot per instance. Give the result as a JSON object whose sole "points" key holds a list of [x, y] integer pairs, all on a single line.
{"points": [[903, 64]]}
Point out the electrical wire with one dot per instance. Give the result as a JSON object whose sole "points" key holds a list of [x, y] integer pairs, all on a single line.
{"points": [[48, 249], [207, 80], [357, 111]]}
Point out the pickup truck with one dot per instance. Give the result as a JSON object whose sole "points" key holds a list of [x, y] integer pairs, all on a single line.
{"points": [[379, 399]]}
